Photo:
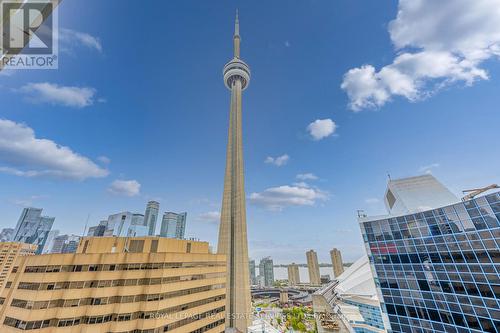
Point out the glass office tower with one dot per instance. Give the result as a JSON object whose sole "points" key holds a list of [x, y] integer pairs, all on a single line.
{"points": [[33, 228], [173, 225], [438, 270]]}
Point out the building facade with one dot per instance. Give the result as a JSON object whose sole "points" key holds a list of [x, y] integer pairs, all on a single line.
{"points": [[9, 252], [173, 225], [33, 228], [293, 274], [98, 230], [337, 264], [115, 284], [151, 216], [251, 269], [438, 270], [266, 271], [313, 268], [419, 193], [350, 302], [49, 243]]}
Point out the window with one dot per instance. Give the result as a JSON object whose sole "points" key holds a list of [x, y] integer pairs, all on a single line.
{"points": [[136, 246], [390, 198], [154, 246]]}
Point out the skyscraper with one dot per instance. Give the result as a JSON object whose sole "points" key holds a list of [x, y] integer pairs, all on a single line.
{"points": [[266, 271], [338, 265], [125, 224], [437, 270], [33, 228], [293, 274], [251, 268], [313, 268], [173, 225], [98, 230], [6, 234], [233, 226], [151, 216], [65, 244], [49, 243]]}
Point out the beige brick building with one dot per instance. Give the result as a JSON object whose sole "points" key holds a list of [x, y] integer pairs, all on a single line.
{"points": [[133, 285], [9, 251]]}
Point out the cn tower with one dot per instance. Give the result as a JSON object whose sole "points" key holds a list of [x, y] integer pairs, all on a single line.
{"points": [[233, 226]]}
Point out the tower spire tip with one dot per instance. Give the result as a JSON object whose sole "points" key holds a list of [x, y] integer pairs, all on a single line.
{"points": [[237, 24]]}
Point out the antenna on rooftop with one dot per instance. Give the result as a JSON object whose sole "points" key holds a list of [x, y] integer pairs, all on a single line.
{"points": [[86, 223]]}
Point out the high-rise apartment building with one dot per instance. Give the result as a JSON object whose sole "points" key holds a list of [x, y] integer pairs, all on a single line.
{"points": [[313, 268], [33, 228], [251, 269], [9, 252], [437, 270], [266, 271], [151, 216], [6, 234], [337, 264], [293, 274], [118, 284], [173, 225]]}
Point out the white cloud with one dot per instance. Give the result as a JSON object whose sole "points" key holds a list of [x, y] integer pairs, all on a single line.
{"points": [[69, 39], [213, 217], [45, 92], [277, 161], [25, 155], [306, 176], [372, 201], [321, 128], [26, 202], [127, 188], [277, 198], [428, 168], [438, 43]]}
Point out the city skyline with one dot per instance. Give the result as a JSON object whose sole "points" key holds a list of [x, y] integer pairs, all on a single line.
{"points": [[351, 165]]}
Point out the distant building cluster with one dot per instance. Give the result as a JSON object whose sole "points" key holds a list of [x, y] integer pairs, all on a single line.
{"points": [[34, 228]]}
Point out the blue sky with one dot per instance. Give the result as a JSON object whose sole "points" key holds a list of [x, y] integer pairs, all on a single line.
{"points": [[139, 102]]}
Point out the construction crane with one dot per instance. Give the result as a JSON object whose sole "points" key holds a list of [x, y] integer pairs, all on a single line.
{"points": [[474, 192]]}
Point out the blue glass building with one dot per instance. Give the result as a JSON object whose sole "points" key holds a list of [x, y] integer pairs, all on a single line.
{"points": [[33, 228], [438, 270]]}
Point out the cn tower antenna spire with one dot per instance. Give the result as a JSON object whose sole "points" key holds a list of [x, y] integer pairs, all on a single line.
{"points": [[236, 36]]}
